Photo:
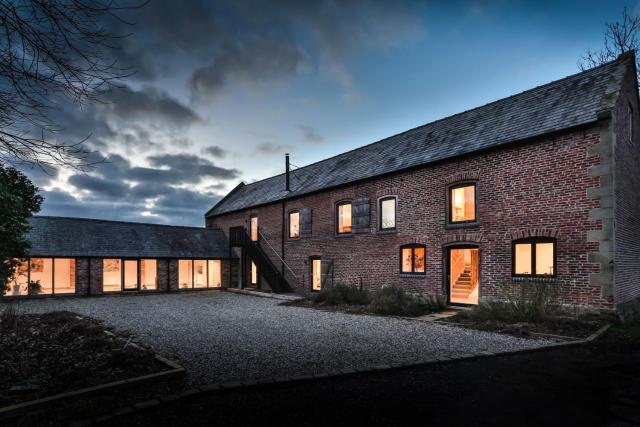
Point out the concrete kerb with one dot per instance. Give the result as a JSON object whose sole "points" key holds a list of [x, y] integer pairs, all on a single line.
{"points": [[283, 381]]}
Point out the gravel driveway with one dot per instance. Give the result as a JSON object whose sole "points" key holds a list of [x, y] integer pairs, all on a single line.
{"points": [[221, 336]]}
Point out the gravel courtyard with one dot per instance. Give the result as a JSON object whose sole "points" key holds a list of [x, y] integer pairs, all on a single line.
{"points": [[221, 336]]}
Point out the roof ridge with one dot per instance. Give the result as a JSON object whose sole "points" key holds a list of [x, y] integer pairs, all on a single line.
{"points": [[74, 218], [620, 58]]}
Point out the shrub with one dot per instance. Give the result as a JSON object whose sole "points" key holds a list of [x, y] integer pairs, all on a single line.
{"points": [[392, 300], [341, 294], [10, 318]]}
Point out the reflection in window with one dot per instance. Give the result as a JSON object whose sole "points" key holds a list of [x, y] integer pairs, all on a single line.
{"points": [[185, 273], [412, 259], [388, 213], [294, 225], [534, 253], [316, 274], [215, 273], [149, 274], [462, 203], [344, 218], [111, 275]]}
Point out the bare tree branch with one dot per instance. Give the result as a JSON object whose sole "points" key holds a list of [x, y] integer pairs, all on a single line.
{"points": [[52, 50]]}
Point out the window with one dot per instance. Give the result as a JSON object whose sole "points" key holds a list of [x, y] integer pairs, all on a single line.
{"points": [[215, 273], [185, 273], [111, 275], [344, 217], [254, 273], [199, 273], [294, 224], [534, 257], [149, 274], [316, 274], [64, 279], [387, 213], [41, 272], [412, 259], [253, 228], [130, 274], [46, 275], [462, 203]]}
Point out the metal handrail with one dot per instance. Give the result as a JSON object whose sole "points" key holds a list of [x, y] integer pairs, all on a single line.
{"points": [[276, 252]]}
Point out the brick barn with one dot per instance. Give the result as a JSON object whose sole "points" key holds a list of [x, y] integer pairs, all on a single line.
{"points": [[541, 186]]}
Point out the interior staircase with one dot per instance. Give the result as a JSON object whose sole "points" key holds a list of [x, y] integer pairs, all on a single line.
{"points": [[463, 286]]}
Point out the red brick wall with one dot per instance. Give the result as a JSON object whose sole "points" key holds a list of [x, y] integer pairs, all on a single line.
{"points": [[538, 188], [626, 172]]}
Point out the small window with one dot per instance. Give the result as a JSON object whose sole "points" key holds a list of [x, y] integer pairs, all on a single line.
{"points": [[253, 228], [294, 224], [412, 259], [344, 217], [387, 212], [462, 203], [316, 274], [254, 274], [534, 257]]}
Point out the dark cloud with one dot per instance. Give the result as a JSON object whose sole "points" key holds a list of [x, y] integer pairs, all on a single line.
{"points": [[100, 186], [215, 151], [310, 135], [189, 168]]}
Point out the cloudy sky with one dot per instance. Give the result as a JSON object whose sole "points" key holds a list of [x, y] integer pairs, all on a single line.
{"points": [[223, 89]]}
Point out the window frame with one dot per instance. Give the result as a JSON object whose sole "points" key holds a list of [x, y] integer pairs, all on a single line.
{"points": [[413, 247], [449, 208], [395, 214], [337, 217], [291, 212], [533, 241], [193, 273], [311, 260], [251, 217]]}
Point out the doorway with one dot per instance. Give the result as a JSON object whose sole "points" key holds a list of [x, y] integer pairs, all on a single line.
{"points": [[463, 274]]}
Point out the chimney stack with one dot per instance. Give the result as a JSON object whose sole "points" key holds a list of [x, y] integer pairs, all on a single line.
{"points": [[286, 164]]}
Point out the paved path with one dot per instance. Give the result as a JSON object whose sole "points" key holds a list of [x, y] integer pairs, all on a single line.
{"points": [[221, 336]]}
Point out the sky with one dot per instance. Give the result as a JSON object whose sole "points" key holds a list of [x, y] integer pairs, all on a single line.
{"points": [[222, 89]]}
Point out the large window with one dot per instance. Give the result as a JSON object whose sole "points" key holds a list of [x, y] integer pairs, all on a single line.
{"points": [[412, 259], [294, 224], [111, 275], [199, 273], [130, 274], [253, 228], [343, 217], [387, 213], [316, 274], [462, 203], [149, 274], [534, 257], [43, 276]]}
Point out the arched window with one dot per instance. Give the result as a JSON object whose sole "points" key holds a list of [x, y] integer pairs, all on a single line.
{"points": [[534, 257], [412, 259]]}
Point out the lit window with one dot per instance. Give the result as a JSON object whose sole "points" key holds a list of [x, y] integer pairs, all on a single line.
{"points": [[185, 273], [41, 278], [215, 273], [387, 212], [130, 274], [462, 203], [254, 228], [18, 285], [149, 274], [534, 257], [111, 275], [64, 280], [294, 224], [316, 274], [412, 259], [254, 273], [344, 218]]}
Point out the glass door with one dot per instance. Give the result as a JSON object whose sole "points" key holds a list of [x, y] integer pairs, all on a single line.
{"points": [[130, 275]]}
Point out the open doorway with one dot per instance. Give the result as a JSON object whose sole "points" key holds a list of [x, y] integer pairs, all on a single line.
{"points": [[463, 273]]}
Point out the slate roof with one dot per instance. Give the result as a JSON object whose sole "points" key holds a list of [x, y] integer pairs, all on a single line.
{"points": [[572, 101], [82, 237]]}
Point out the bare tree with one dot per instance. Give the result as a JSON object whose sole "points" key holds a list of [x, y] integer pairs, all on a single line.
{"points": [[52, 52], [619, 37]]}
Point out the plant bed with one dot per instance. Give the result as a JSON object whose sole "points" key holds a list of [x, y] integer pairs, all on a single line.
{"points": [[560, 325], [387, 301], [52, 353]]}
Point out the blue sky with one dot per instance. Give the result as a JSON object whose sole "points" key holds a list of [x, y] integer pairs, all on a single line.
{"points": [[223, 89]]}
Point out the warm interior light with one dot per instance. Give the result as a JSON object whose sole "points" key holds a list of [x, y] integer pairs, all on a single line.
{"points": [[254, 228], [523, 258], [254, 274], [200, 273], [464, 275], [131, 274], [111, 275], [294, 224], [316, 271], [463, 203], [65, 276], [149, 274], [185, 273], [215, 273], [544, 258], [344, 218]]}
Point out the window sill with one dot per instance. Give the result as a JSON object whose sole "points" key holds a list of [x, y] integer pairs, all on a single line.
{"points": [[453, 226], [534, 279], [344, 235], [394, 231], [413, 275]]}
